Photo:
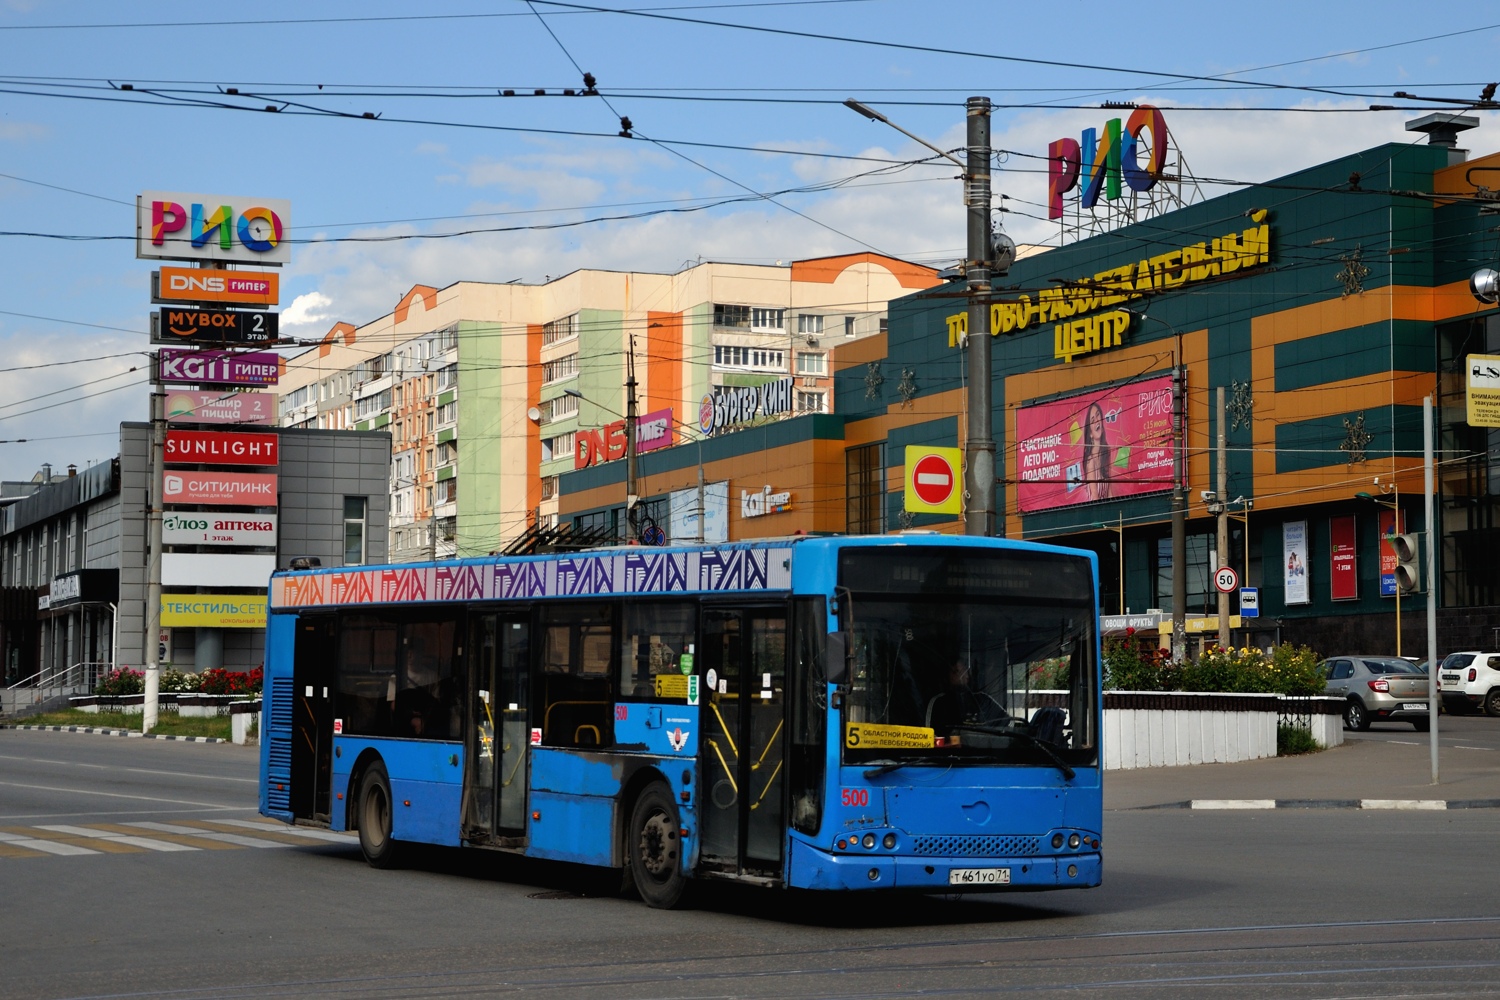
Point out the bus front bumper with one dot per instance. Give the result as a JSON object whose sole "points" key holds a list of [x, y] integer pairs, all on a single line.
{"points": [[812, 868]]}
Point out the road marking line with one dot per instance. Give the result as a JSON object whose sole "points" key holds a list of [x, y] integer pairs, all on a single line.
{"points": [[1234, 803], [225, 838], [112, 795], [1460, 746], [54, 847], [12, 851], [294, 831], [1403, 804], [145, 843]]}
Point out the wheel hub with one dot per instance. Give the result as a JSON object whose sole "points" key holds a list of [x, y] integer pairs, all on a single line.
{"points": [[658, 846]]}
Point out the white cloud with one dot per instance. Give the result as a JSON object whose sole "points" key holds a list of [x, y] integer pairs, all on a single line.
{"points": [[307, 309]]}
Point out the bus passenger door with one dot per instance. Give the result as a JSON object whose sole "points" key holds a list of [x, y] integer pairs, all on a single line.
{"points": [[312, 720], [499, 731], [744, 734]]}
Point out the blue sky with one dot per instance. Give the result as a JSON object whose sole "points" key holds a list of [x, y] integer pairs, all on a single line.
{"points": [[448, 154]]}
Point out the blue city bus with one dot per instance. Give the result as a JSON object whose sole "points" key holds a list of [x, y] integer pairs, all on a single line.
{"points": [[906, 712]]}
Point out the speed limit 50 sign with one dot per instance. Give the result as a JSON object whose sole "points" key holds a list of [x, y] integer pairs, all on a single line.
{"points": [[1226, 579]]}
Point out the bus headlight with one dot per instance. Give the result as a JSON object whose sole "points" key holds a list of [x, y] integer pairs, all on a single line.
{"points": [[1074, 841], [889, 841], [1057, 841], [869, 841]]}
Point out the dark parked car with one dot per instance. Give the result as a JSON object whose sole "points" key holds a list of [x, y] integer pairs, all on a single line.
{"points": [[1378, 688]]}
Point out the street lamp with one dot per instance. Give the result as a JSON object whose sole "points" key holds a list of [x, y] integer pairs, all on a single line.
{"points": [[979, 450]]}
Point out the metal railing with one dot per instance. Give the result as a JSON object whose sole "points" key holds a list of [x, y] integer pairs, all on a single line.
{"points": [[51, 682]]}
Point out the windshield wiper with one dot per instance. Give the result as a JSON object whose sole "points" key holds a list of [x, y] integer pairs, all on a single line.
{"points": [[876, 772], [1042, 745]]}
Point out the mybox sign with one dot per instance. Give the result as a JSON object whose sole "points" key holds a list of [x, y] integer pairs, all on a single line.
{"points": [[171, 225], [1095, 164], [205, 284], [222, 448], [247, 489], [218, 529], [213, 326], [220, 367]]}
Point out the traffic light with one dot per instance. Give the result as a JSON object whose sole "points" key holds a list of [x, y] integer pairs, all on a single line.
{"points": [[1408, 571]]}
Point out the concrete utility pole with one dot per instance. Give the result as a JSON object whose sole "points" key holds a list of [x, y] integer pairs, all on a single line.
{"points": [[632, 495], [1434, 535], [1222, 541], [153, 549], [1179, 506], [979, 452]]}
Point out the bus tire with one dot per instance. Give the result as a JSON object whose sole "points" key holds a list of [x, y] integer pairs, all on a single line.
{"points": [[655, 847], [375, 810]]}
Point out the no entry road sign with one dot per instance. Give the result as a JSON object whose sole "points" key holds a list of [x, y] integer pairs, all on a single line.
{"points": [[934, 482]]}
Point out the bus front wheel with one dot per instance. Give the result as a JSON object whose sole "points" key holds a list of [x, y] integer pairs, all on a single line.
{"points": [[375, 840], [656, 848]]}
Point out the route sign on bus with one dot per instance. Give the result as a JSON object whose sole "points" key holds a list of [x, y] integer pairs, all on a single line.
{"points": [[933, 480]]}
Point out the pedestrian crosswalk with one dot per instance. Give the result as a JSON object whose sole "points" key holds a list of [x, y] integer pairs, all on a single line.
{"points": [[73, 840]]}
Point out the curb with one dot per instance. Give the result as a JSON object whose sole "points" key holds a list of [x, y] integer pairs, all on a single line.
{"points": [[117, 732], [1402, 805]]}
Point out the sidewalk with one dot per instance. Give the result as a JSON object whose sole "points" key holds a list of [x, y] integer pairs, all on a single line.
{"points": [[1359, 774]]}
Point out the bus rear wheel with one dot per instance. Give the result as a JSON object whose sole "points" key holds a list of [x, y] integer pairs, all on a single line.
{"points": [[656, 848], [375, 841]]}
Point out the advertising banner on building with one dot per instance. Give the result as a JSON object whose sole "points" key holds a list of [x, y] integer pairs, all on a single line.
{"points": [[176, 225], [213, 611], [683, 514], [214, 569], [220, 367], [222, 448], [201, 528], [1099, 445], [1343, 579], [246, 489], [192, 406], [202, 284], [654, 430], [730, 406], [1388, 562], [1294, 550]]}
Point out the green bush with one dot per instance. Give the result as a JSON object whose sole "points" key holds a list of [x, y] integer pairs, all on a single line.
{"points": [[1292, 740], [176, 681], [122, 680], [1287, 670]]}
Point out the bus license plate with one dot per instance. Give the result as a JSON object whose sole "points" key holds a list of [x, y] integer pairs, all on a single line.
{"points": [[1414, 706], [978, 876]]}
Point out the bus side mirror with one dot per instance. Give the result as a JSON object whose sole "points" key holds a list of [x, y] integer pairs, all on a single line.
{"points": [[836, 665]]}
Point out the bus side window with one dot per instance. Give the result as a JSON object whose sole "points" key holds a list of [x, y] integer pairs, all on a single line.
{"points": [[577, 660], [658, 650], [425, 700], [367, 675], [809, 707]]}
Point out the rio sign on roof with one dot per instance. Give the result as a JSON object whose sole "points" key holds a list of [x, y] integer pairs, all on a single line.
{"points": [[171, 225]]}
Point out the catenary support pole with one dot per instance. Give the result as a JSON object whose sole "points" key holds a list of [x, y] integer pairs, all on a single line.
{"points": [[1179, 506], [152, 638], [632, 496], [1434, 533], [1222, 538], [979, 451]]}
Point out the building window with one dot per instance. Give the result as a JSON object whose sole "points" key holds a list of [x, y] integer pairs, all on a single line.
{"points": [[447, 453], [768, 320], [560, 329], [1201, 597], [885, 325], [549, 487], [811, 402], [865, 488], [812, 363], [447, 491], [848, 326], [757, 358], [809, 325], [447, 413], [559, 408], [734, 317], [372, 405], [447, 376], [560, 368], [354, 530], [560, 446]]}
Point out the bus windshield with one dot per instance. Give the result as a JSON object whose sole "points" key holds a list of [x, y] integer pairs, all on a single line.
{"points": [[969, 657]]}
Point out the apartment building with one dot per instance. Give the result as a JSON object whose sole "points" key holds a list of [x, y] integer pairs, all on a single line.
{"points": [[492, 391]]}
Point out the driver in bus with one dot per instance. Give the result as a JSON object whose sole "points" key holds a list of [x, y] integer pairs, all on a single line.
{"points": [[959, 704]]}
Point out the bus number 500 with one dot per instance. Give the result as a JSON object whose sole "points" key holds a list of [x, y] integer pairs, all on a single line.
{"points": [[856, 796]]}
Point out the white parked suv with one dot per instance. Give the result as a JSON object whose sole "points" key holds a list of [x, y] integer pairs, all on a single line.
{"points": [[1470, 680]]}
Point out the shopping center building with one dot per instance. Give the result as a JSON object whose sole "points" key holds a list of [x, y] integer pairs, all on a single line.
{"points": [[1326, 304]]}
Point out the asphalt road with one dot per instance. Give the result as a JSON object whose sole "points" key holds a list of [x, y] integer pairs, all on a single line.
{"points": [[1473, 732], [1286, 903]]}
